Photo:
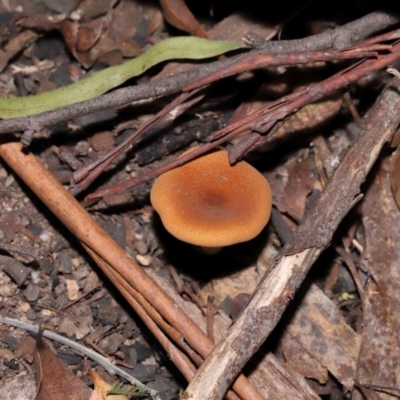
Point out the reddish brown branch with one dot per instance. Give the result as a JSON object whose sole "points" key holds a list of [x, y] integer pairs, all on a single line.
{"points": [[257, 61]]}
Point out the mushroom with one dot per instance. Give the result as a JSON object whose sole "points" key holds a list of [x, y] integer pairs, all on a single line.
{"points": [[211, 204]]}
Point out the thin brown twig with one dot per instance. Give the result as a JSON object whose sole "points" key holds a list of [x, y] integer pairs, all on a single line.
{"points": [[258, 61], [353, 110], [81, 180], [180, 360], [210, 318]]}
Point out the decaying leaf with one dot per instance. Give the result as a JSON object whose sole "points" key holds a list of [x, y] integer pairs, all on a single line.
{"points": [[323, 333], [15, 44], [378, 363], [178, 15], [395, 175], [101, 389], [54, 380], [294, 182], [19, 387]]}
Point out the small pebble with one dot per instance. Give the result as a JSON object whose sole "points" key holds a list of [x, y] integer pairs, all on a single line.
{"points": [[141, 247], [24, 307], [76, 262], [9, 181], [15, 269], [45, 237], [81, 273], [7, 355], [144, 260], [8, 290], [102, 141], [31, 293], [67, 327], [31, 315], [3, 173], [66, 263], [72, 289]]}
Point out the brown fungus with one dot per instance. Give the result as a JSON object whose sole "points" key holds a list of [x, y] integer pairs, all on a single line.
{"points": [[211, 204]]}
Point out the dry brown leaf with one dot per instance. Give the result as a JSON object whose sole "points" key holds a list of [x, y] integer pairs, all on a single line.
{"points": [[91, 9], [89, 34], [301, 360], [395, 175], [15, 44], [324, 334], [105, 41], [293, 183], [243, 281], [378, 362], [54, 379], [178, 15], [101, 388]]}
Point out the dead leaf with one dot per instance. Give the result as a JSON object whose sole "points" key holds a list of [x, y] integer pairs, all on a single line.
{"points": [[89, 34], [54, 379], [378, 362], [178, 15], [91, 9], [395, 175], [240, 282], [101, 388], [323, 333], [292, 184], [19, 387], [15, 44], [301, 360]]}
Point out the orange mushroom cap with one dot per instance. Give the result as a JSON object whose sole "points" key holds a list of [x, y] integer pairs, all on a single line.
{"points": [[209, 203]]}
